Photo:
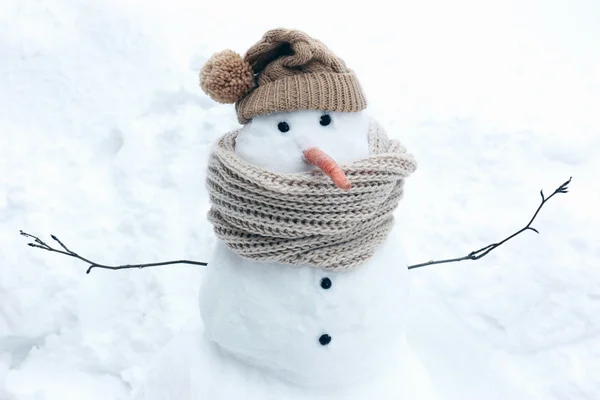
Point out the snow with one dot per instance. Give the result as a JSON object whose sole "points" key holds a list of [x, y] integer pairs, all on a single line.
{"points": [[105, 135], [214, 375]]}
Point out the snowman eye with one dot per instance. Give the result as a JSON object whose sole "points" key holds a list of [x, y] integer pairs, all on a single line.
{"points": [[325, 120], [283, 127]]}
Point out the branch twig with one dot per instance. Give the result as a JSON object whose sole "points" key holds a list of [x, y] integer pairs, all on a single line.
{"points": [[474, 255], [477, 254], [40, 244]]}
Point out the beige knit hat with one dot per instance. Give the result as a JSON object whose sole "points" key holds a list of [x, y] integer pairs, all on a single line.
{"points": [[286, 70]]}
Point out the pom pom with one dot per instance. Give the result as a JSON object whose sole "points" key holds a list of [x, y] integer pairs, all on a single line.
{"points": [[226, 77]]}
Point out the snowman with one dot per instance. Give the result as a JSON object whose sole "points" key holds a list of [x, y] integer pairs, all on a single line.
{"points": [[306, 293]]}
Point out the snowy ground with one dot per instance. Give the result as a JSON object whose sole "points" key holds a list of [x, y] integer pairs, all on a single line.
{"points": [[104, 135]]}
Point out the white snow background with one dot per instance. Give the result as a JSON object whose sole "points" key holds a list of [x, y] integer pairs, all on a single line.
{"points": [[104, 136]]}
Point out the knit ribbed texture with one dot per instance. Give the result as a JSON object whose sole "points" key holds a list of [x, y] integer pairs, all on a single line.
{"points": [[297, 72], [320, 91], [303, 218]]}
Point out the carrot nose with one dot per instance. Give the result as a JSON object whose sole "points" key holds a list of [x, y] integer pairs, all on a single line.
{"points": [[325, 163]]}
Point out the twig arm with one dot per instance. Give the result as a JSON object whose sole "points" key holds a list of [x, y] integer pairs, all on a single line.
{"points": [[477, 254], [40, 244], [474, 255]]}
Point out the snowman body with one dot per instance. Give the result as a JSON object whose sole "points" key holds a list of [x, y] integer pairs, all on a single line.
{"points": [[305, 325]]}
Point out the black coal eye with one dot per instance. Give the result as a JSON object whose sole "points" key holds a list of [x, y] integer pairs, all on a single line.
{"points": [[325, 120], [283, 127]]}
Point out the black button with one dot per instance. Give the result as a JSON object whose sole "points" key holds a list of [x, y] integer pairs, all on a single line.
{"points": [[283, 127], [325, 339], [325, 283]]}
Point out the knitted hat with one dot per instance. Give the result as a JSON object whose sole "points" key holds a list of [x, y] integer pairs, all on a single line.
{"points": [[286, 70]]}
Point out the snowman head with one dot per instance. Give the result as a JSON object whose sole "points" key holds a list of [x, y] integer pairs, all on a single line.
{"points": [[299, 103], [279, 141]]}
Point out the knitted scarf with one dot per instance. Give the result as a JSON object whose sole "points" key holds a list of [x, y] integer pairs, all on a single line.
{"points": [[303, 218]]}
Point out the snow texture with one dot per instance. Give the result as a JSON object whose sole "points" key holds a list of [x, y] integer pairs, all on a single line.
{"points": [[215, 375], [105, 136]]}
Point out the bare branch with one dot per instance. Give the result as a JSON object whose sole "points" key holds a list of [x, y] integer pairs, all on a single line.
{"points": [[37, 245], [477, 254], [61, 244], [474, 255], [36, 239], [42, 245]]}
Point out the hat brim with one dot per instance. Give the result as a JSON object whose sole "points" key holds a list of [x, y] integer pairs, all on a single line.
{"points": [[327, 91]]}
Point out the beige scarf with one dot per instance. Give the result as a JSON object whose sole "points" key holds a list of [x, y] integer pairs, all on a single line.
{"points": [[303, 218]]}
